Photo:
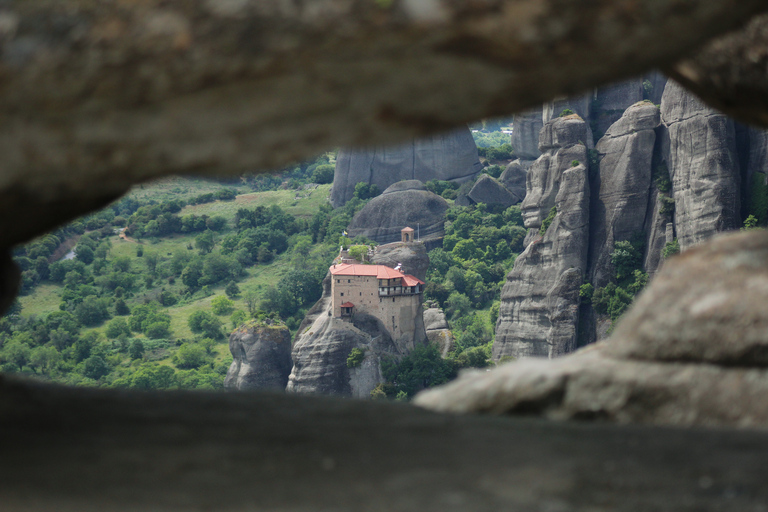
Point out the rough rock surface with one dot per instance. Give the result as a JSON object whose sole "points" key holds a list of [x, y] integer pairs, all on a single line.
{"points": [[320, 355], [406, 203], [621, 186], [513, 178], [692, 350], [449, 157], [612, 100], [438, 331], [539, 302], [525, 136], [703, 165], [413, 257], [488, 190], [323, 343], [261, 357], [707, 305]]}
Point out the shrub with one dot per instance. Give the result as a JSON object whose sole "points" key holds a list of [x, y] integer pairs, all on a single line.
{"points": [[190, 356], [670, 249], [567, 112], [548, 221], [323, 174], [222, 306], [586, 291], [575, 163], [355, 358]]}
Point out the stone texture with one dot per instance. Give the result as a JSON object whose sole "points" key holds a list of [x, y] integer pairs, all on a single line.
{"points": [[320, 355], [438, 332], [525, 135], [588, 385], [692, 351], [611, 101], [413, 257], [124, 92], [403, 204], [621, 186], [488, 190], [449, 157], [703, 166], [729, 72], [513, 178], [706, 305], [262, 451], [261, 357], [538, 315]]}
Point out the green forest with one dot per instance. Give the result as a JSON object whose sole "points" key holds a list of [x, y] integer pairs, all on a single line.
{"points": [[144, 293]]}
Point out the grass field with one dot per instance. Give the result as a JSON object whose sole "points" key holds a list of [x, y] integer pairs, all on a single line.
{"points": [[301, 203]]}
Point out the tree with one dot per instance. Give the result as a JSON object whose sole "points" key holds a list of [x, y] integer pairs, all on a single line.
{"points": [[221, 305], [205, 241], [232, 290], [44, 359], [153, 377], [323, 174], [16, 353], [204, 322], [136, 351], [117, 327], [216, 223], [92, 311], [121, 308], [238, 318], [190, 356], [150, 260], [251, 299], [84, 253], [95, 367], [158, 330]]}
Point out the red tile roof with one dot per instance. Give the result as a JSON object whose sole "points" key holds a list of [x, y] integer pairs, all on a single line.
{"points": [[379, 271], [409, 280], [408, 229], [347, 305]]}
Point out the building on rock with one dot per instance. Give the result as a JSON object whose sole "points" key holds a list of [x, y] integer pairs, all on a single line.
{"points": [[380, 291]]}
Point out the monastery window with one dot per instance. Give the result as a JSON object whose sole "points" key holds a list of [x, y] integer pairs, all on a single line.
{"points": [[361, 294], [393, 299], [338, 280], [342, 294], [349, 280]]}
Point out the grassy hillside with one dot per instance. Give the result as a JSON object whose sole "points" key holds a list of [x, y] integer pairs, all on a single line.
{"points": [[151, 271]]}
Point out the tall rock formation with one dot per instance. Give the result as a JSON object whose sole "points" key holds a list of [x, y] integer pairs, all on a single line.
{"points": [[539, 302], [678, 171], [621, 186], [406, 203], [450, 156], [704, 167], [261, 356], [323, 343]]}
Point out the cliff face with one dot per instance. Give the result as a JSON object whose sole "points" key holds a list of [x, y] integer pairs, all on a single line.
{"points": [[657, 174], [407, 203], [621, 185], [323, 343], [703, 165], [450, 156], [261, 357], [539, 302]]}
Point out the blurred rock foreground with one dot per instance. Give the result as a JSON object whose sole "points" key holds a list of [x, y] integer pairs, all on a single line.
{"points": [[97, 96]]}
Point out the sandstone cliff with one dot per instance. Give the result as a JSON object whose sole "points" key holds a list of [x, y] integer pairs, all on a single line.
{"points": [[406, 203], [261, 356], [539, 303], [449, 156]]}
